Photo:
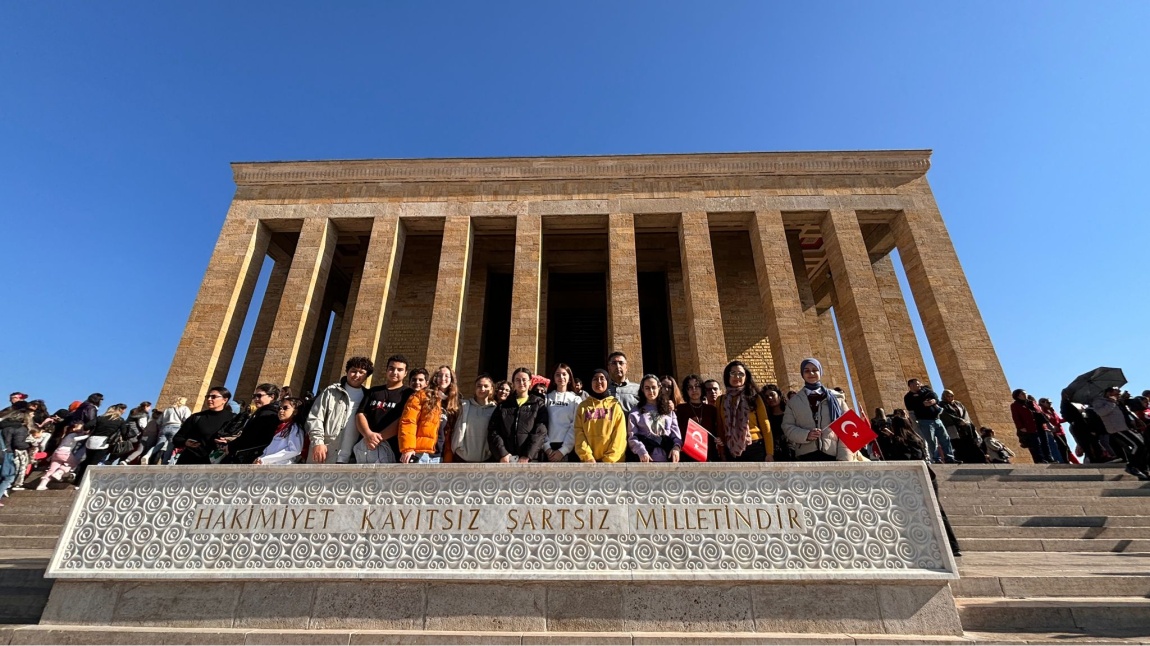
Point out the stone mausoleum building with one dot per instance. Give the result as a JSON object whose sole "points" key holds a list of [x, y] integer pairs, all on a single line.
{"points": [[684, 262]]}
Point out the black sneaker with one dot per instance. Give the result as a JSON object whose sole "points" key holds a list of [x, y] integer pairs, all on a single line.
{"points": [[1132, 470]]}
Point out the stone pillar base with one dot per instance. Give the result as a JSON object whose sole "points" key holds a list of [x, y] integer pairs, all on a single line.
{"points": [[512, 605]]}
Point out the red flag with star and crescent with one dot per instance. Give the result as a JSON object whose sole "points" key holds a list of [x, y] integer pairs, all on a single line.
{"points": [[853, 430]]}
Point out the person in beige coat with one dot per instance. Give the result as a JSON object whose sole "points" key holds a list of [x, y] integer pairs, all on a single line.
{"points": [[808, 414]]}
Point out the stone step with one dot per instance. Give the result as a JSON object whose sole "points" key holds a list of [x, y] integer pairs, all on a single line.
{"points": [[1140, 503], [1039, 509], [1090, 615], [1114, 487], [45, 531], [29, 541], [1089, 533], [22, 605], [1054, 545], [1043, 574], [65, 634], [34, 518], [1051, 521]]}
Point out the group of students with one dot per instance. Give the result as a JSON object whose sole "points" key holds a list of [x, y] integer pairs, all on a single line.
{"points": [[423, 417]]}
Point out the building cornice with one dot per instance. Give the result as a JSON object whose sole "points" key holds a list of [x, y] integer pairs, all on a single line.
{"points": [[906, 163]]}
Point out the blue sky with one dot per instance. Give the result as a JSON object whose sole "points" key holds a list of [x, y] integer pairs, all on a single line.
{"points": [[117, 123]]}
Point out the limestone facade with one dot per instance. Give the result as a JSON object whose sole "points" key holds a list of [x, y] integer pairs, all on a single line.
{"points": [[683, 262]]}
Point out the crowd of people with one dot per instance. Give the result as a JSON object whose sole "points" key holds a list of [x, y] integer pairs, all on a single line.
{"points": [[414, 415]]}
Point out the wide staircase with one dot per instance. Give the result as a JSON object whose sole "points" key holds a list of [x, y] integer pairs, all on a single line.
{"points": [[30, 523], [1051, 554]]}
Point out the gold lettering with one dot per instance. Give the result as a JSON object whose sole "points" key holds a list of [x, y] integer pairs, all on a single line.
{"points": [[579, 517], [448, 521], [779, 515], [715, 513], [388, 520], [793, 515], [200, 517], [603, 520], [675, 517], [431, 518], [700, 518], [264, 519], [220, 522], [308, 519], [547, 519], [236, 523], [295, 514], [739, 515], [326, 512], [474, 518], [759, 518], [652, 522], [563, 517], [403, 515], [528, 518], [512, 517], [367, 522]]}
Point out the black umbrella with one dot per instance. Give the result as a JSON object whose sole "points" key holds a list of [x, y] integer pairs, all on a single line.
{"points": [[1085, 388]]}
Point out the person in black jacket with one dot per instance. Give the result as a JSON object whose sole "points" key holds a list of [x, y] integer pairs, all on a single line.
{"points": [[197, 435], [260, 428], [14, 431], [518, 428], [102, 432], [922, 402]]}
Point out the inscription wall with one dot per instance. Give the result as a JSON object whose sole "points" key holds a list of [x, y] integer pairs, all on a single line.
{"points": [[566, 521]]}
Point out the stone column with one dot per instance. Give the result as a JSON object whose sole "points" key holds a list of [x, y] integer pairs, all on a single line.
{"points": [[312, 369], [372, 297], [861, 313], [813, 322], [954, 327], [901, 328], [705, 323], [208, 345], [334, 359], [523, 348], [623, 332], [299, 311], [780, 296], [450, 293], [262, 332]]}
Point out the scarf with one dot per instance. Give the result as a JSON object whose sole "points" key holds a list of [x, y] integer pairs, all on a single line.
{"points": [[591, 391], [816, 393], [284, 428], [737, 414]]}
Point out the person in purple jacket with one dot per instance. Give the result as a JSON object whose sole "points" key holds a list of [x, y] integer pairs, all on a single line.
{"points": [[652, 428]]}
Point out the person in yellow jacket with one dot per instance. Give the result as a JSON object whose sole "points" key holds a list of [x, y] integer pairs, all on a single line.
{"points": [[600, 425], [744, 427]]}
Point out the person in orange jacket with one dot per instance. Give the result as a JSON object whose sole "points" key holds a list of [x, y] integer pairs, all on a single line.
{"points": [[427, 417]]}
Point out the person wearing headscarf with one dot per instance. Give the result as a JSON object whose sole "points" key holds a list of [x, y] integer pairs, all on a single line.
{"points": [[600, 424], [809, 412]]}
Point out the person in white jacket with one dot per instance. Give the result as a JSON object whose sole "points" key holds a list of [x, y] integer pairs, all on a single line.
{"points": [[809, 412], [469, 438], [561, 405], [287, 443]]}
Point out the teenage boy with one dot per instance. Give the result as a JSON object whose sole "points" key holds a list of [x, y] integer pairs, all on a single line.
{"points": [[331, 421], [378, 418]]}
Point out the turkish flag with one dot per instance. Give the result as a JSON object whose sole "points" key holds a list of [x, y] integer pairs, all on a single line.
{"points": [[695, 441], [854, 431]]}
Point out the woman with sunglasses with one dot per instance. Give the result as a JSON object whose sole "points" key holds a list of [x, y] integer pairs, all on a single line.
{"points": [[289, 441], [197, 436]]}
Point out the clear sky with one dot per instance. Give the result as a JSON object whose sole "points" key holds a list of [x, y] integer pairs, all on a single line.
{"points": [[118, 121]]}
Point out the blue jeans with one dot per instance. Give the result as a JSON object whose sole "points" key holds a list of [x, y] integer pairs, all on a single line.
{"points": [[1039, 445], [934, 434], [164, 446], [1055, 452]]}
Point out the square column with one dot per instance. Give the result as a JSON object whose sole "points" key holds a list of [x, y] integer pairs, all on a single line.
{"points": [[834, 372], [623, 331], [450, 293], [901, 328], [779, 293], [300, 308], [963, 352], [262, 332], [371, 300], [523, 348], [208, 345], [861, 313], [705, 323], [815, 325]]}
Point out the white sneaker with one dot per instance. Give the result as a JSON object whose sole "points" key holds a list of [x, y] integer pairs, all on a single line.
{"points": [[18, 488]]}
